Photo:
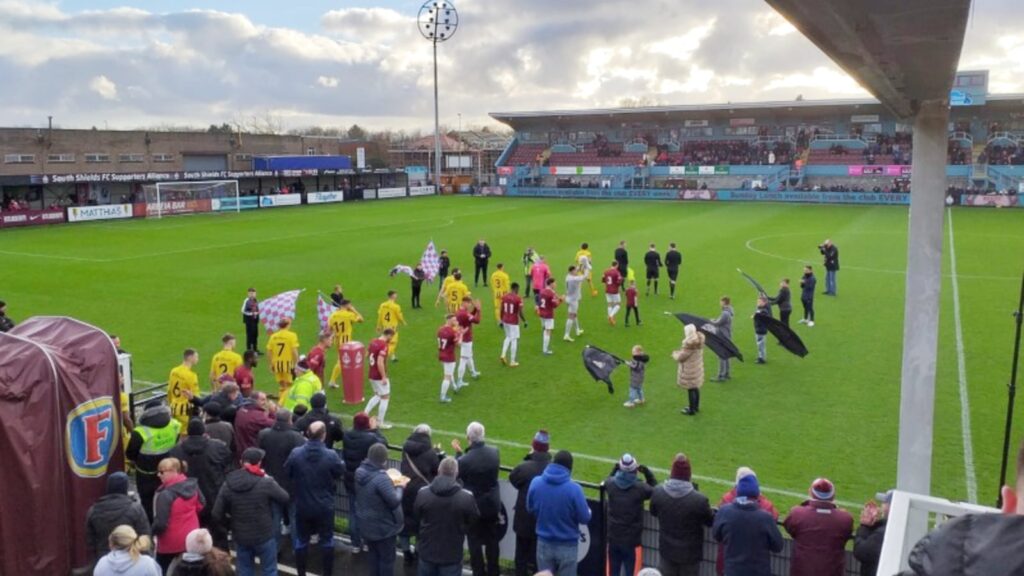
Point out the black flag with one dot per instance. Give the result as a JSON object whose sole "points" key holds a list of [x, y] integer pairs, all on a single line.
{"points": [[713, 339], [787, 337], [757, 286], [601, 364]]}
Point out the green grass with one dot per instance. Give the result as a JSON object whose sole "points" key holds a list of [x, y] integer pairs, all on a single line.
{"points": [[179, 282]]}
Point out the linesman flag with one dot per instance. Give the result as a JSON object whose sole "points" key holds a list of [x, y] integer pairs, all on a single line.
{"points": [[324, 308], [273, 309], [430, 262], [601, 364]]}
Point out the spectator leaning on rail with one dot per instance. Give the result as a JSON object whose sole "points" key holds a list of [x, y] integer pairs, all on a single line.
{"points": [[747, 533], [420, 460], [730, 497], [626, 497], [820, 531], [560, 507], [478, 470], [525, 523], [683, 513], [977, 544], [380, 509], [443, 513]]}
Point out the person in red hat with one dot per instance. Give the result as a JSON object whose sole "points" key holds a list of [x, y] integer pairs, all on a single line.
{"points": [[820, 531], [525, 524]]}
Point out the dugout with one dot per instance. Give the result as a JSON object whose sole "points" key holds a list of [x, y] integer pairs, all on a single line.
{"points": [[60, 422]]}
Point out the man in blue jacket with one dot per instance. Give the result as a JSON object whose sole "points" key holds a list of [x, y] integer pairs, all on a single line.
{"points": [[379, 506], [560, 508], [747, 532], [314, 471]]}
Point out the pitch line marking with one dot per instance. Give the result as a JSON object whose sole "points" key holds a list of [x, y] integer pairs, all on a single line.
{"points": [[750, 246], [51, 256], [965, 405]]}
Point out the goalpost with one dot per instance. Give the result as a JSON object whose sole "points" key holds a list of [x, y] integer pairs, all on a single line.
{"points": [[169, 198]]}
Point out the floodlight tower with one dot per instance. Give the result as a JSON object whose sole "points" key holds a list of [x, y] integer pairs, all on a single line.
{"points": [[437, 21]]}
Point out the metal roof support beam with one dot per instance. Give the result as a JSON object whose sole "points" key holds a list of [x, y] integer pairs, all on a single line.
{"points": [[921, 307]]}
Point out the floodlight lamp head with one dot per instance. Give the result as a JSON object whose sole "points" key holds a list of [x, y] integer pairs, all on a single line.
{"points": [[437, 21]]}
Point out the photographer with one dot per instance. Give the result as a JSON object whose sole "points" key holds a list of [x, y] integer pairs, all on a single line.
{"points": [[626, 497], [831, 254]]}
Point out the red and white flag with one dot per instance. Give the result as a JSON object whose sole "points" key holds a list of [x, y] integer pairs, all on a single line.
{"points": [[273, 309], [324, 308], [430, 262]]}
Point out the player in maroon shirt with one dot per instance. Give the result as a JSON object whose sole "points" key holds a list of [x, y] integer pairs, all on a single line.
{"points": [[511, 314], [447, 337], [631, 294], [612, 280], [377, 357], [316, 357], [243, 374], [547, 301], [467, 315]]}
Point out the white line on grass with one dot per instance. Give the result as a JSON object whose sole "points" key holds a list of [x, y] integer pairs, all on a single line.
{"points": [[965, 404], [50, 256]]}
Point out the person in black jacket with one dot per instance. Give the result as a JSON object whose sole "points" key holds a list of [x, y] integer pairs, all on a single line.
{"points": [[277, 443], [831, 254], [443, 513], [764, 310], [380, 509], [867, 543], [622, 259], [418, 276], [113, 509], [524, 523], [481, 255], [208, 461], [673, 260], [356, 445], [419, 463], [444, 264], [683, 513], [626, 497], [248, 502], [152, 439], [478, 470], [5, 321], [319, 413], [807, 285], [784, 300], [652, 262], [251, 319], [748, 534]]}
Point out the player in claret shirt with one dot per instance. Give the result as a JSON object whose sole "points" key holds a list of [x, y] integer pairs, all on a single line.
{"points": [[612, 280], [546, 304], [511, 314], [447, 337], [468, 315], [377, 356]]}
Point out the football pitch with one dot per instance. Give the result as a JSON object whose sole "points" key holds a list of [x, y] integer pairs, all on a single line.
{"points": [[164, 285]]}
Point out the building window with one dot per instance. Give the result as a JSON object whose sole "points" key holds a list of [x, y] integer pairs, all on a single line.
{"points": [[131, 158], [19, 158], [97, 158], [310, 151], [163, 157], [60, 158], [243, 157]]}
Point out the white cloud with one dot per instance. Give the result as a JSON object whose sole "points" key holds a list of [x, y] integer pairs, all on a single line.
{"points": [[104, 87], [327, 81]]}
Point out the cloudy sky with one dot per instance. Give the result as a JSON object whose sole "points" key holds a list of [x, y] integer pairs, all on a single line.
{"points": [[148, 63]]}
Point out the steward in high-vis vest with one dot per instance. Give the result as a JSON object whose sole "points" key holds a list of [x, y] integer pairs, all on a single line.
{"points": [[151, 441], [303, 387]]}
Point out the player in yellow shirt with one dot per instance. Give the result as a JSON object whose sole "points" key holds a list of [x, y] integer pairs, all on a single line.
{"points": [[182, 387], [453, 292], [500, 283], [225, 361], [389, 314], [585, 265], [340, 323], [283, 349]]}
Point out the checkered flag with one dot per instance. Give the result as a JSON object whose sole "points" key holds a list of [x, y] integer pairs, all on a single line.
{"points": [[324, 308], [273, 309], [430, 262]]}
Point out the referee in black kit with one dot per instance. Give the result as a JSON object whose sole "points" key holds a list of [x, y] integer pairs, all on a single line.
{"points": [[673, 259], [251, 319]]}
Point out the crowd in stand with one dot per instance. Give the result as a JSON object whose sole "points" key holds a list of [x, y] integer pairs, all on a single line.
{"points": [[248, 468], [719, 152], [898, 186], [1002, 155]]}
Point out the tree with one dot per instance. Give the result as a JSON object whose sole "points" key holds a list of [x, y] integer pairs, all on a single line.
{"points": [[356, 133], [224, 128]]}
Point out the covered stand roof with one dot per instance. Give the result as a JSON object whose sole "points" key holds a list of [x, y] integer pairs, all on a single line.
{"points": [[904, 52]]}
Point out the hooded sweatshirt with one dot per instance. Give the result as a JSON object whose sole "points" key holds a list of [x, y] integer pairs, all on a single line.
{"points": [[178, 503], [682, 514], [559, 505], [626, 497], [120, 563]]}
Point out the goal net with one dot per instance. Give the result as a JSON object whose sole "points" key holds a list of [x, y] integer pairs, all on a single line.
{"points": [[170, 198]]}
